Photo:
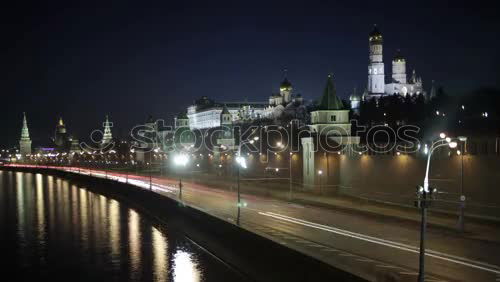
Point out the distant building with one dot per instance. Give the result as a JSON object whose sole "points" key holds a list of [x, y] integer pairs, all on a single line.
{"points": [[107, 137], [205, 113], [25, 141], [332, 117], [60, 136], [399, 84], [75, 146]]}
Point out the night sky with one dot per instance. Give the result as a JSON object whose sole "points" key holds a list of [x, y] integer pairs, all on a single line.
{"points": [[129, 59]]}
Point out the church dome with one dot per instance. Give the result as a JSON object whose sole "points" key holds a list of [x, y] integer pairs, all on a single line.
{"points": [[355, 97], [375, 34], [286, 83], [398, 57]]}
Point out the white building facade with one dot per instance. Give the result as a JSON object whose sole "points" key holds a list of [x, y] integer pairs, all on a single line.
{"points": [[399, 84], [205, 113]]}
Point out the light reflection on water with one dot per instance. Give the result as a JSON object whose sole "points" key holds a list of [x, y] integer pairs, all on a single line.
{"points": [[55, 227]]}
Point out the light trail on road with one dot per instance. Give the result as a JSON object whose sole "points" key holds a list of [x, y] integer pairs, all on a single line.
{"points": [[450, 258]]}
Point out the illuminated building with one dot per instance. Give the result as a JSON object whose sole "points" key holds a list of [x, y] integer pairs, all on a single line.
{"points": [[25, 141]]}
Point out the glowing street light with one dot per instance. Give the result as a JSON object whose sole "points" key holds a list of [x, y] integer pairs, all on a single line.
{"points": [[425, 197], [181, 160], [240, 163], [320, 173]]}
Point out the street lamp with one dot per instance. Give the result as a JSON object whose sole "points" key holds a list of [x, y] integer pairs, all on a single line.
{"points": [[461, 217], [180, 160], [320, 173], [241, 163], [425, 196]]}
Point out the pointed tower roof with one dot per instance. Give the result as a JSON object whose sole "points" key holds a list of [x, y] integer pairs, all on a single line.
{"points": [[25, 134], [330, 101], [61, 122], [107, 136], [225, 110]]}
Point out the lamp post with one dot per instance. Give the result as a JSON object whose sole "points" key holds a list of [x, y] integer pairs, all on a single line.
{"points": [[290, 175], [241, 163], [181, 160], [320, 173], [150, 177], [424, 199], [281, 146], [461, 217]]}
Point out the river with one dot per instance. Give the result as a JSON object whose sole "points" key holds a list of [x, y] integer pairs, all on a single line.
{"points": [[53, 229]]}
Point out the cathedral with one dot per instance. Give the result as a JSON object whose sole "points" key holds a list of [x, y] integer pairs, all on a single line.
{"points": [[399, 82]]}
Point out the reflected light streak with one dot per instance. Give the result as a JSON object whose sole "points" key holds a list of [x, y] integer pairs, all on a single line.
{"points": [[40, 209], [134, 243], [20, 208], [160, 255], [114, 228], [84, 231], [185, 268]]}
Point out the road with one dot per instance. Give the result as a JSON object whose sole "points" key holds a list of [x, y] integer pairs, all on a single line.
{"points": [[365, 245]]}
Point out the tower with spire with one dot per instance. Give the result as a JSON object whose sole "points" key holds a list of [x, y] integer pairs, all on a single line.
{"points": [[285, 95], [107, 136], [60, 137], [25, 141], [286, 88], [331, 118]]}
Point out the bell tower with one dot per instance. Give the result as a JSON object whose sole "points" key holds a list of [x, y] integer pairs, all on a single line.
{"points": [[376, 77]]}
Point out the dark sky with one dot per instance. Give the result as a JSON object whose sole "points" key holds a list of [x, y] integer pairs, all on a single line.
{"points": [[129, 59]]}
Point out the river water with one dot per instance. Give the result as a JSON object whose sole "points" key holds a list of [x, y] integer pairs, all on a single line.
{"points": [[55, 230]]}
